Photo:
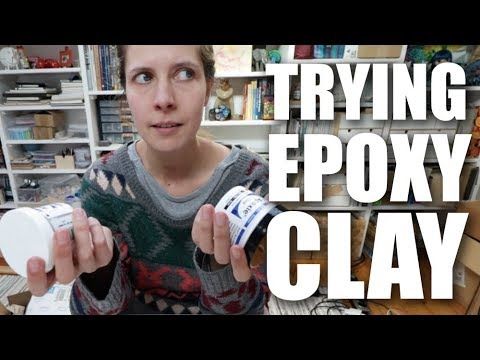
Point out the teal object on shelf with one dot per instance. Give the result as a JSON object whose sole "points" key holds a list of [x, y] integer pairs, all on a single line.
{"points": [[328, 51], [274, 56]]}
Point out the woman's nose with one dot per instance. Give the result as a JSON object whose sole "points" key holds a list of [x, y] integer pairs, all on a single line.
{"points": [[164, 96]]}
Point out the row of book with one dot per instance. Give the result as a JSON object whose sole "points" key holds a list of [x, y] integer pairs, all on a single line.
{"points": [[258, 100], [103, 67]]}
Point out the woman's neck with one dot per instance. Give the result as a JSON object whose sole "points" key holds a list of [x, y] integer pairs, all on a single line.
{"points": [[175, 165], [186, 170]]}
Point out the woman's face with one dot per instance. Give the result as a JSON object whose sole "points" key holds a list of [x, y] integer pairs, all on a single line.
{"points": [[166, 91]]}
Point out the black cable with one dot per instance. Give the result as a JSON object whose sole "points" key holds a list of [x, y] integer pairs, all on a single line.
{"points": [[329, 305]]}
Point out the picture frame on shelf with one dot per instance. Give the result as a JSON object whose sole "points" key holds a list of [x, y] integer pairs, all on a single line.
{"points": [[233, 58]]}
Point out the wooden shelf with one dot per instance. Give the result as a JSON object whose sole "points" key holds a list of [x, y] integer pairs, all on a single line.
{"points": [[296, 104], [306, 207], [8, 205], [410, 207], [105, 92], [241, 74], [40, 71], [34, 204], [39, 107], [49, 171], [52, 141], [317, 206], [392, 161], [112, 147]]}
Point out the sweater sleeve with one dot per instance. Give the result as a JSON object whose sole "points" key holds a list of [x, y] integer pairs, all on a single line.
{"points": [[107, 290], [221, 292]]}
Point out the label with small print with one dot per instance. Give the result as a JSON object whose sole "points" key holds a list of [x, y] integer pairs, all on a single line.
{"points": [[58, 215], [245, 210]]}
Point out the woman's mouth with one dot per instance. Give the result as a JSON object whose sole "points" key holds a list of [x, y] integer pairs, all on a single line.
{"points": [[166, 128]]}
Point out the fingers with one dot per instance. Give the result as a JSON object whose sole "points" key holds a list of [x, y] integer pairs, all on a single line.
{"points": [[36, 277], [63, 250], [102, 242], [202, 230], [221, 239], [241, 270], [84, 247]]}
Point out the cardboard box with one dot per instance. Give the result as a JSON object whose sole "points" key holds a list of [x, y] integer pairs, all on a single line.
{"points": [[464, 294], [43, 132], [469, 295], [469, 253], [4, 268], [17, 304], [64, 162], [472, 228], [379, 51], [4, 310], [53, 119]]}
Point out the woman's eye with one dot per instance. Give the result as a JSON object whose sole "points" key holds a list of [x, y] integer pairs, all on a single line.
{"points": [[184, 74], [143, 78]]}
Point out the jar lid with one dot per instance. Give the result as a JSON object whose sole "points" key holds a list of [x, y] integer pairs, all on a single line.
{"points": [[25, 233]]}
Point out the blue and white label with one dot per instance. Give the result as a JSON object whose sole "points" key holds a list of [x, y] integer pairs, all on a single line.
{"points": [[245, 210]]}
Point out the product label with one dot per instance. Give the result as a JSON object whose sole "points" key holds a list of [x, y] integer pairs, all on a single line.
{"points": [[245, 210], [58, 215]]}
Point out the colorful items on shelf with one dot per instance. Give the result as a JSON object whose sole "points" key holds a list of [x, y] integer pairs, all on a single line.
{"points": [[66, 57], [474, 148]]}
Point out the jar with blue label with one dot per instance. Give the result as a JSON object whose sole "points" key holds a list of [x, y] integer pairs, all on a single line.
{"points": [[249, 215]]}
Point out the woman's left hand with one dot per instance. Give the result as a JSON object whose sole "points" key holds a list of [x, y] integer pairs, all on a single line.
{"points": [[211, 233]]}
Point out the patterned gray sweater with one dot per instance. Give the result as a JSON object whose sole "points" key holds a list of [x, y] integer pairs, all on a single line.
{"points": [[156, 267]]}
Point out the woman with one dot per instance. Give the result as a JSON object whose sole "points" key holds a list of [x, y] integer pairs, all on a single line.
{"points": [[148, 238]]}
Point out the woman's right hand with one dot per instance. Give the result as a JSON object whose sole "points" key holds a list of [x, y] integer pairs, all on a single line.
{"points": [[90, 249]]}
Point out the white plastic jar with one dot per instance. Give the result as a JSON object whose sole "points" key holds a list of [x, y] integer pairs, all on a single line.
{"points": [[27, 232], [249, 215]]}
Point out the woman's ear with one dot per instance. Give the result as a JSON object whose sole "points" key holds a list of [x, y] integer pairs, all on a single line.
{"points": [[209, 91]]}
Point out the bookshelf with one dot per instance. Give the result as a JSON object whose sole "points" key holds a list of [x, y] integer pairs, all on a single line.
{"points": [[72, 70], [250, 132], [247, 131], [74, 114], [347, 129]]}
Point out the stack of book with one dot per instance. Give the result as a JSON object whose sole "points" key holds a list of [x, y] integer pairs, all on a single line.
{"points": [[22, 163], [29, 93], [71, 93]]}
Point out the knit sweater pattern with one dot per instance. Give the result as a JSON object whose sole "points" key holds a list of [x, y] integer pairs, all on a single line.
{"points": [[158, 265]]}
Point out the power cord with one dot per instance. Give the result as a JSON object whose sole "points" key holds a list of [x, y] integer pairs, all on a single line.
{"points": [[330, 306]]}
